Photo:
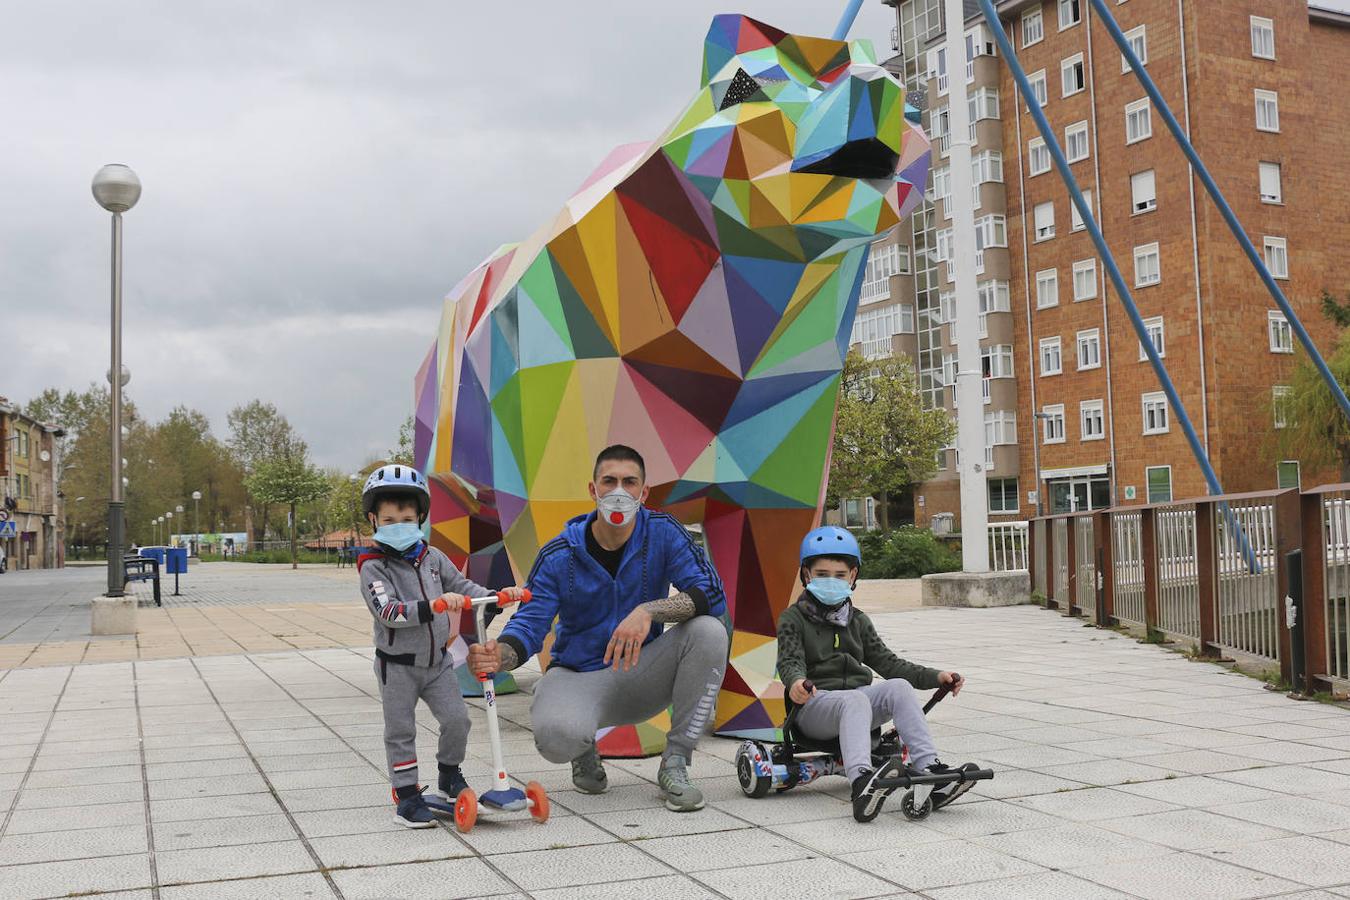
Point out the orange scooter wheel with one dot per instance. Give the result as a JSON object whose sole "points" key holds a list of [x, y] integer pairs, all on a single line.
{"points": [[466, 810], [534, 791]]}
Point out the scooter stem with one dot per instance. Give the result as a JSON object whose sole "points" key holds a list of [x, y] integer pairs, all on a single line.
{"points": [[487, 680]]}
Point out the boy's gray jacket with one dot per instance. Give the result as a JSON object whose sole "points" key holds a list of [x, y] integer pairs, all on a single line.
{"points": [[398, 593]]}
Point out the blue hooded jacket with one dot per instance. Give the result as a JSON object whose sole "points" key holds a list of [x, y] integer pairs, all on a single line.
{"points": [[568, 583]]}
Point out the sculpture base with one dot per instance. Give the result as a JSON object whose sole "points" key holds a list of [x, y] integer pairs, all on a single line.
{"points": [[976, 589], [112, 615]]}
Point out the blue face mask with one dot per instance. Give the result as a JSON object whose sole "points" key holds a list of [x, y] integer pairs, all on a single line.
{"points": [[399, 536], [830, 591]]}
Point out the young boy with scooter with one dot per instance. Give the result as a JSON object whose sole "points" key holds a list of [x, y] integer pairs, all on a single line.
{"points": [[827, 650], [415, 594]]}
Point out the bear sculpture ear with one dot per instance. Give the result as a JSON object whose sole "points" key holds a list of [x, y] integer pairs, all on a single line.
{"points": [[730, 35]]}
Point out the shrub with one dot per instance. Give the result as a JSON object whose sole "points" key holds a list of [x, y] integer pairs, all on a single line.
{"points": [[906, 552]]}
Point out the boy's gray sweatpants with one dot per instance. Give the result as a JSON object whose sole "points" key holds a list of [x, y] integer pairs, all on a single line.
{"points": [[683, 666], [400, 687], [851, 716]]}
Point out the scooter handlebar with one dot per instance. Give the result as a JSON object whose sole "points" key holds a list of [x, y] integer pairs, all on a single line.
{"points": [[500, 598]]}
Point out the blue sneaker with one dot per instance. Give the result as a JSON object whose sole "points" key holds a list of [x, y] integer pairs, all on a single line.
{"points": [[413, 812]]}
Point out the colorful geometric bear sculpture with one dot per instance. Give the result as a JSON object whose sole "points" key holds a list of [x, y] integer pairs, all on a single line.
{"points": [[694, 300]]}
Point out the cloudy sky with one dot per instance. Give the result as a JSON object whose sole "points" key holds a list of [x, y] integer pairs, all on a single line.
{"points": [[317, 175]]}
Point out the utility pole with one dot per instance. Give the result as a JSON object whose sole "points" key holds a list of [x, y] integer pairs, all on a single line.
{"points": [[970, 437]]}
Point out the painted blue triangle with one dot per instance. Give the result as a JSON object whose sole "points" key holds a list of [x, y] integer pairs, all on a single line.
{"points": [[773, 280], [507, 469], [473, 456], [759, 394], [540, 343], [758, 436]]}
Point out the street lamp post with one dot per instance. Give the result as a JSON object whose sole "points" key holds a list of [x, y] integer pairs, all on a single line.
{"points": [[168, 527], [197, 520], [116, 188], [179, 509]]}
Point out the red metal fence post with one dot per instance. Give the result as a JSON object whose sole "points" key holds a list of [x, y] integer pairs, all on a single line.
{"points": [[1149, 547], [1288, 536], [1314, 592]]}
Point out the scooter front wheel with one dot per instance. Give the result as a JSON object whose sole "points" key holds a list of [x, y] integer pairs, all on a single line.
{"points": [[466, 810], [534, 792]]}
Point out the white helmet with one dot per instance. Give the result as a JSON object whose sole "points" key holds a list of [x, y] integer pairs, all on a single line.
{"points": [[397, 480]]}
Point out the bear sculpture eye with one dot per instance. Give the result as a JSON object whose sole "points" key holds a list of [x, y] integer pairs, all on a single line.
{"points": [[741, 89]]}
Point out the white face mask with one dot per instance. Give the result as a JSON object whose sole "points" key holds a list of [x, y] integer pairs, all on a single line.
{"points": [[617, 508]]}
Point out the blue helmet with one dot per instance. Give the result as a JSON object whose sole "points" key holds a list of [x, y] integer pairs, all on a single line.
{"points": [[830, 540], [396, 480]]}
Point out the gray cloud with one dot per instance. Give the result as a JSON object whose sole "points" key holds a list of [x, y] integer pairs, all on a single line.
{"points": [[317, 176]]}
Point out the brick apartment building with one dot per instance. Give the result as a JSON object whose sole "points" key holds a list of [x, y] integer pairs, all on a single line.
{"points": [[30, 462], [1074, 416]]}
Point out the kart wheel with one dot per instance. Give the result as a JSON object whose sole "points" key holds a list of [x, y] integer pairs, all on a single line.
{"points": [[915, 813], [534, 791], [466, 810], [752, 784]]}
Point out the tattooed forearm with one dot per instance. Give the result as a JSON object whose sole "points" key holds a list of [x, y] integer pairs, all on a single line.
{"points": [[508, 656], [679, 608]]}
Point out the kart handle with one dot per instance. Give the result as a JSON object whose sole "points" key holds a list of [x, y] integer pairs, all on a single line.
{"points": [[942, 692]]}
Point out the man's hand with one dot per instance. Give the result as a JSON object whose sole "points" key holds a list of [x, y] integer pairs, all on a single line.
{"points": [[799, 693], [512, 594], [951, 680], [485, 657], [451, 603], [626, 644]]}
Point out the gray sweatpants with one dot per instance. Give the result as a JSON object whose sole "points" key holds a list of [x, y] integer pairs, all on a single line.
{"points": [[851, 716], [400, 687], [682, 667]]}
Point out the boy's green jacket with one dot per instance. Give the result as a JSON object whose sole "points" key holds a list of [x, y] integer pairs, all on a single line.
{"points": [[839, 657]]}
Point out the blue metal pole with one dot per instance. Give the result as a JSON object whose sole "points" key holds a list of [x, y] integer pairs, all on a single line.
{"points": [[1117, 280], [1156, 98], [846, 21]]}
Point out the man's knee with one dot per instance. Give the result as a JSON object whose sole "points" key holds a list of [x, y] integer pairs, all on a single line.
{"points": [[559, 739], [706, 634]]}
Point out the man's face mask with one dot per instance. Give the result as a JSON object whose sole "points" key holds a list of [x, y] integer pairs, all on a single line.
{"points": [[399, 535], [617, 508], [829, 591]]}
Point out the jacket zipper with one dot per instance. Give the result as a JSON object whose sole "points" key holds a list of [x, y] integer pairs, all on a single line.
{"points": [[431, 635]]}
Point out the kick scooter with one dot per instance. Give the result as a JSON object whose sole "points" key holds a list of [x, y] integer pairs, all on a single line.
{"points": [[502, 798]]}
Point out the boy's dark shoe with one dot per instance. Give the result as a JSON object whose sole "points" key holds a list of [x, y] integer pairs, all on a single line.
{"points": [[588, 773], [868, 795], [412, 811], [450, 783], [949, 792]]}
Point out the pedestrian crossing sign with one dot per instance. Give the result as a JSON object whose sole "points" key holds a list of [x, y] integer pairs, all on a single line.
{"points": [[9, 529]]}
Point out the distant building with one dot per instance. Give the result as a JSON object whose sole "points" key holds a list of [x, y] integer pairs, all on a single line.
{"points": [[1074, 416], [30, 466]]}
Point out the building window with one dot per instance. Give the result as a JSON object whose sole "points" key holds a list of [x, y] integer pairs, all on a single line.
{"points": [[1071, 75], [947, 307], [993, 297], [991, 231], [1000, 428], [1267, 111], [1089, 349], [1155, 413], [987, 166], [1279, 404], [1002, 495], [1038, 156], [937, 68], [884, 261], [1287, 475], [1155, 334], [1159, 481], [1085, 279], [1139, 44], [1037, 82], [1263, 38], [1272, 190], [1091, 420], [1281, 335], [1143, 192], [1076, 142], [1047, 288], [1033, 27], [1044, 216], [1147, 265], [1277, 256], [983, 104], [1051, 363], [1070, 13], [942, 187], [1052, 424], [1138, 121], [1075, 220], [997, 361], [874, 328]]}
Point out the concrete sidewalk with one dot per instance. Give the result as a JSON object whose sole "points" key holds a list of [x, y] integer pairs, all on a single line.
{"points": [[1124, 770]]}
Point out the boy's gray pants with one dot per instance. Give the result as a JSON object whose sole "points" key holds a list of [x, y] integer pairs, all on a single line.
{"points": [[682, 667], [851, 716], [400, 686]]}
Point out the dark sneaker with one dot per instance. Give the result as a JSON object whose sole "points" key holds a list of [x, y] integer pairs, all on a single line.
{"points": [[868, 795], [948, 792], [413, 812], [450, 783], [681, 795], [588, 773]]}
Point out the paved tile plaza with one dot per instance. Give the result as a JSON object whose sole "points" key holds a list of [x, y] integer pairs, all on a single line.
{"points": [[1123, 770]]}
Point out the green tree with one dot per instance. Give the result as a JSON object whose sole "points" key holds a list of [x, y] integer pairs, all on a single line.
{"points": [[403, 453], [884, 440], [1317, 433], [259, 433], [288, 481]]}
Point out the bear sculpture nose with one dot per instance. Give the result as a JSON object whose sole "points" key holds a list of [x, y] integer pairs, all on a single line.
{"points": [[866, 158]]}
